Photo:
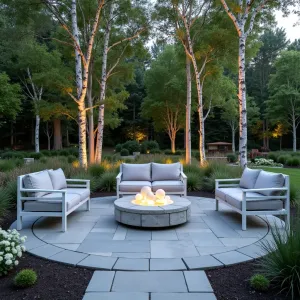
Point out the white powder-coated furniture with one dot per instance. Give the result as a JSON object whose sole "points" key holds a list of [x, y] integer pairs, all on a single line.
{"points": [[169, 177], [48, 193], [257, 192]]}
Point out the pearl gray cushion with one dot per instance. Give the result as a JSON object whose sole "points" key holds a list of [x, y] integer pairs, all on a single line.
{"points": [[166, 171], [58, 179], [269, 180], [249, 178], [168, 186], [133, 186], [82, 192], [136, 172], [52, 205], [39, 180], [221, 193], [234, 197]]}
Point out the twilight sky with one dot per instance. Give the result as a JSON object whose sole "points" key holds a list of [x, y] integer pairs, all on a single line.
{"points": [[293, 32]]}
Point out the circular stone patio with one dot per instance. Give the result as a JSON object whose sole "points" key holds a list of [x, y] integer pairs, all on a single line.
{"points": [[94, 239]]}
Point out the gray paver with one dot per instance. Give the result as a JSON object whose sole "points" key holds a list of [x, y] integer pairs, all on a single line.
{"points": [[155, 220], [173, 249], [72, 247], [238, 242], [138, 235], [154, 281], [164, 235], [232, 257], [130, 219], [178, 218], [33, 242], [202, 262], [131, 255], [167, 264], [101, 281], [68, 257], [120, 233], [197, 281], [183, 296], [253, 251], [116, 296], [46, 251], [132, 264], [99, 236], [98, 262], [208, 250]]}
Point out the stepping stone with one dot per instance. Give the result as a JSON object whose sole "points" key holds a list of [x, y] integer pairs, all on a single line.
{"points": [[46, 251], [202, 262], [117, 296], [101, 281], [183, 296], [167, 264], [232, 257], [154, 281], [130, 264], [98, 262], [69, 257], [197, 281]]}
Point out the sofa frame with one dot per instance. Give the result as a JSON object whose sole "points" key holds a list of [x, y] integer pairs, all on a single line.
{"points": [[230, 183], [183, 178], [22, 197]]}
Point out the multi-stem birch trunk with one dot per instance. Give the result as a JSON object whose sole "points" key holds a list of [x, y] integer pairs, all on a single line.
{"points": [[294, 121], [91, 118], [188, 141], [233, 126], [250, 9], [57, 136], [172, 124]]}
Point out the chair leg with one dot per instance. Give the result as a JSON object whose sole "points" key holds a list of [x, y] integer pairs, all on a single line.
{"points": [[19, 223], [244, 222], [64, 223], [287, 222], [88, 205], [217, 205]]}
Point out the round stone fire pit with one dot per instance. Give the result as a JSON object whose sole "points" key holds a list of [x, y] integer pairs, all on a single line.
{"points": [[127, 212]]}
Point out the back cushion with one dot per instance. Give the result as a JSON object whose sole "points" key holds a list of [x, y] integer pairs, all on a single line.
{"points": [[249, 178], [40, 180], [166, 171], [269, 180], [58, 179], [136, 172]]}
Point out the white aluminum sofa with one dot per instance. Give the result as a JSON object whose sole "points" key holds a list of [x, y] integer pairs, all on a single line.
{"points": [[257, 192], [49, 193], [169, 177]]}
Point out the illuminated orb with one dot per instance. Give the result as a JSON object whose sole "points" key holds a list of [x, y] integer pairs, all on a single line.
{"points": [[160, 194], [145, 190], [167, 198], [138, 197], [150, 196]]}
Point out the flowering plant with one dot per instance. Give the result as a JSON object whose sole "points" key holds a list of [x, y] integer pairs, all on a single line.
{"points": [[11, 248], [265, 162]]}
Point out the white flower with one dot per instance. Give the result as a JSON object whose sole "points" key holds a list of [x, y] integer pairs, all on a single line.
{"points": [[19, 254], [23, 248], [18, 248], [8, 262], [13, 244], [14, 251], [1, 258], [16, 262]]}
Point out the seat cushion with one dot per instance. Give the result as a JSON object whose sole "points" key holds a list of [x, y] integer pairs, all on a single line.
{"points": [[249, 178], [58, 179], [133, 186], [269, 180], [39, 180], [168, 186], [83, 193], [136, 172], [52, 205], [234, 197], [165, 171], [221, 193]]}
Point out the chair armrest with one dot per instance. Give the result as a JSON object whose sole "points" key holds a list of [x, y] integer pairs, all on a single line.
{"points": [[119, 176], [78, 180], [266, 189], [183, 175], [228, 180], [42, 190]]}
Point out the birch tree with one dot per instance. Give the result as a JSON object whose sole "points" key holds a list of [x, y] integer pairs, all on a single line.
{"points": [[82, 63]]}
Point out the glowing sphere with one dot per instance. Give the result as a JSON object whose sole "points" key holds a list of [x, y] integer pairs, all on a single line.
{"points": [[160, 194], [167, 198], [138, 197], [145, 190], [160, 201], [150, 196], [151, 202]]}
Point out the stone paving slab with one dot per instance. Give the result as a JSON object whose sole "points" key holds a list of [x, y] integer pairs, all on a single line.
{"points": [[69, 257], [116, 296], [164, 235], [132, 264], [202, 262], [154, 281], [253, 251], [101, 281], [72, 247], [183, 296], [167, 264], [197, 281], [98, 262], [46, 251], [232, 257], [131, 254]]}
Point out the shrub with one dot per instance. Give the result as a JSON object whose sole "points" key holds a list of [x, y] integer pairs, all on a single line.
{"points": [[273, 156], [25, 278], [281, 265], [11, 248], [73, 151], [7, 165], [64, 152], [283, 159], [168, 152], [53, 153], [293, 161], [71, 158], [155, 151], [35, 155], [259, 283], [294, 195], [12, 154], [179, 152], [108, 182], [194, 181], [96, 170], [118, 147], [124, 152], [5, 202], [265, 162], [131, 146], [232, 158], [46, 152], [11, 189], [149, 146]]}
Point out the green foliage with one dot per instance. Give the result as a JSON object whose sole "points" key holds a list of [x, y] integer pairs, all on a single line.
{"points": [[149, 146], [25, 278], [131, 146], [118, 147], [259, 283], [12, 154], [293, 161], [232, 158], [281, 265], [124, 152], [71, 158], [294, 195], [194, 181], [283, 159], [35, 155], [108, 182], [5, 202], [96, 170], [7, 165]]}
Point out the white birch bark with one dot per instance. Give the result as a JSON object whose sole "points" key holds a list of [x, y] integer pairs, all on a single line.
{"points": [[91, 118], [37, 133], [188, 140]]}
